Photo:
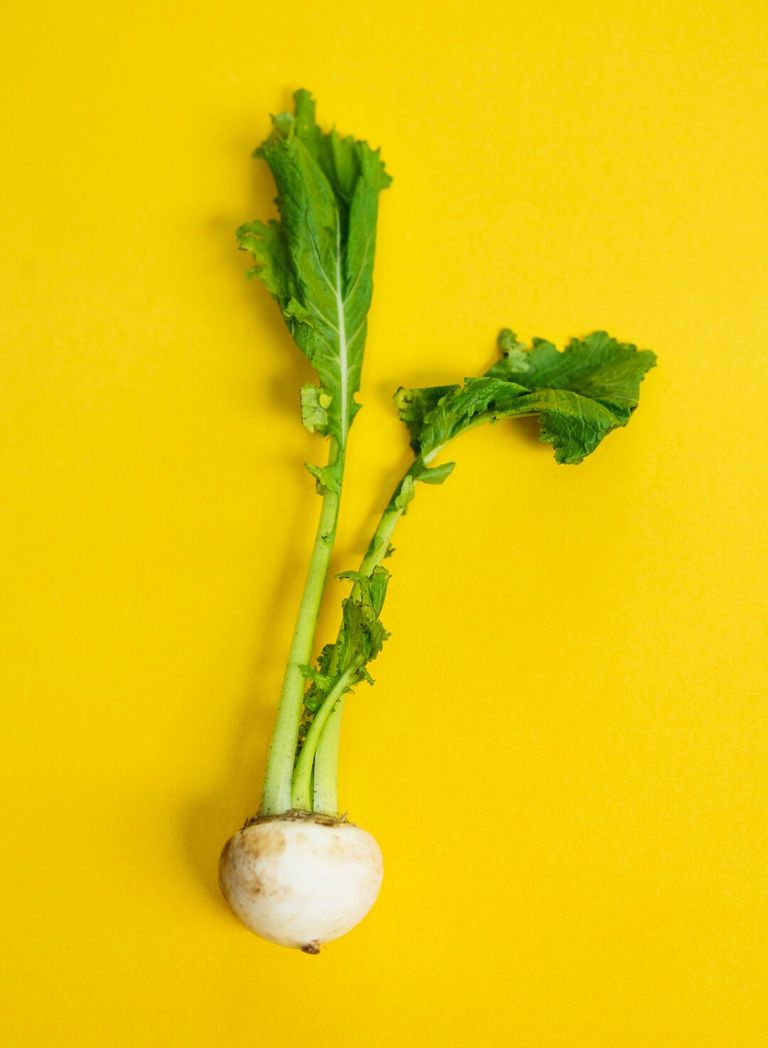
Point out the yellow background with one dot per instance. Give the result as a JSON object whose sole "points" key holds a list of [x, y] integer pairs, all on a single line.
{"points": [[564, 754]]}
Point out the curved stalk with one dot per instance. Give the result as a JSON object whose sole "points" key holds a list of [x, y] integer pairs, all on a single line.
{"points": [[276, 797], [301, 793], [327, 755]]}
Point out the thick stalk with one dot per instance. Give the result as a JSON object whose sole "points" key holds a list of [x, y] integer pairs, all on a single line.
{"points": [[276, 797], [325, 794], [327, 755], [301, 794]]}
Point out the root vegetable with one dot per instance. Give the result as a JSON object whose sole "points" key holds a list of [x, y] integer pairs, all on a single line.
{"points": [[298, 875], [300, 880]]}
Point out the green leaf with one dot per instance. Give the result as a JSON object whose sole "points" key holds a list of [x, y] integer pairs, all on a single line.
{"points": [[314, 409], [432, 474], [579, 394], [327, 478], [317, 260], [597, 368], [413, 406], [360, 638]]}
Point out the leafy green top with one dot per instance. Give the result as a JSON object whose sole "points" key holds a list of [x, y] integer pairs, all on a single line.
{"points": [[317, 259], [579, 395]]}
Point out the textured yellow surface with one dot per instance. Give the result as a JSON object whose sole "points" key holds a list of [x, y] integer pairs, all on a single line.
{"points": [[564, 755]]}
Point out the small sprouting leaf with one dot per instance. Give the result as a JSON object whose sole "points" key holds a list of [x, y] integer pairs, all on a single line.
{"points": [[327, 478], [314, 409], [432, 474], [312, 674], [360, 638]]}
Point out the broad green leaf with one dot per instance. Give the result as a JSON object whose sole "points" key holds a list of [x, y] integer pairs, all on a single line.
{"points": [[579, 395], [317, 259], [597, 368]]}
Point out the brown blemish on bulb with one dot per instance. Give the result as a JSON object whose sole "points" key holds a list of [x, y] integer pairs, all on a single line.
{"points": [[311, 947], [269, 843]]}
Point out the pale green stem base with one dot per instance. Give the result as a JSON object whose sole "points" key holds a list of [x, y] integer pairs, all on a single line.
{"points": [[301, 794], [276, 797], [325, 796]]}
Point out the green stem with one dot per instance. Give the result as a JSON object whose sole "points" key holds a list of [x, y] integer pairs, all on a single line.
{"points": [[325, 796], [327, 755], [301, 794], [276, 797]]}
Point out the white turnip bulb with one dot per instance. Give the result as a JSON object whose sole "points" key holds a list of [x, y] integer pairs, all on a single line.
{"points": [[299, 879]]}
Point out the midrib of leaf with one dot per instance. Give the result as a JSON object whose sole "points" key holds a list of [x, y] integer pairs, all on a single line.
{"points": [[340, 327], [342, 335]]}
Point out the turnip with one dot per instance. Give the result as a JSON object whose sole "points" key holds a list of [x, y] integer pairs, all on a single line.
{"points": [[299, 874], [301, 880]]}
